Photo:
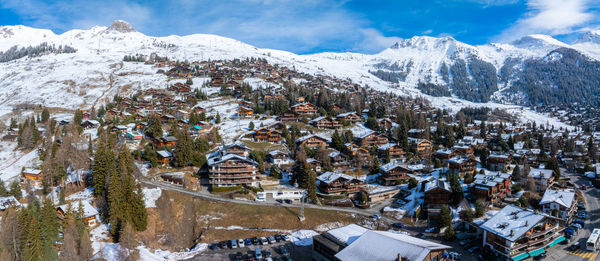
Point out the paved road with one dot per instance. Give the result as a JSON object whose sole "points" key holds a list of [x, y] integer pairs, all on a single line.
{"points": [[592, 198], [206, 195]]}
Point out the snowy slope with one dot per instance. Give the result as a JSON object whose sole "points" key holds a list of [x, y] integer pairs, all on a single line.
{"points": [[95, 72]]}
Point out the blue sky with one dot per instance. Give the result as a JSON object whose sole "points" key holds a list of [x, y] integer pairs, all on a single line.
{"points": [[317, 25]]}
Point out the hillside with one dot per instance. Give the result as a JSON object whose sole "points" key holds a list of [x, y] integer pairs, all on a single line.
{"points": [[448, 72]]}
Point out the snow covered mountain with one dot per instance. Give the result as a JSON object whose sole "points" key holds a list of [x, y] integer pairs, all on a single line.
{"points": [[443, 70]]}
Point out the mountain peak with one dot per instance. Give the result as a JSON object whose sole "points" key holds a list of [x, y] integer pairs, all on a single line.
{"points": [[121, 26], [424, 42], [589, 37]]}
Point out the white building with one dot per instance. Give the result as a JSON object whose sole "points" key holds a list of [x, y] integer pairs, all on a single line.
{"points": [[543, 178], [281, 192], [559, 203]]}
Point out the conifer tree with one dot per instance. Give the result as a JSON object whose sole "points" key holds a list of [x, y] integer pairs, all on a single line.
{"points": [[33, 245]]}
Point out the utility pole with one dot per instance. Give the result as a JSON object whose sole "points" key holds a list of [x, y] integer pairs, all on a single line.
{"points": [[301, 216]]}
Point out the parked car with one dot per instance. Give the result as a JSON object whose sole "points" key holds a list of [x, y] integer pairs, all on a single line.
{"points": [[255, 241], [263, 241], [223, 244], [580, 222], [421, 235], [283, 250], [278, 238], [240, 243], [258, 253], [430, 230], [271, 239], [375, 216], [248, 241], [474, 249], [267, 254], [574, 246], [238, 256], [463, 243], [454, 256], [287, 201], [213, 246], [234, 243], [287, 238]]}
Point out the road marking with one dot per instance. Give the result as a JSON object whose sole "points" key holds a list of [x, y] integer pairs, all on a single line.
{"points": [[593, 256], [586, 255]]}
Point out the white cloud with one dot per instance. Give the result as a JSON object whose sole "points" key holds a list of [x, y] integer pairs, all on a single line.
{"points": [[429, 31], [374, 41], [549, 17]]}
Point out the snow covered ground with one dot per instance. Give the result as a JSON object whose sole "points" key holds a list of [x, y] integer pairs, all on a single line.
{"points": [[13, 161], [150, 196]]}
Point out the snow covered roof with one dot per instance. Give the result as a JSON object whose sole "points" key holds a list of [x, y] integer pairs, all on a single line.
{"points": [[346, 114], [365, 134], [88, 210], [512, 222], [389, 166], [386, 146], [303, 138], [216, 160], [164, 153], [9, 201], [437, 184], [383, 245], [329, 177], [347, 234], [564, 198], [32, 171], [540, 173]]}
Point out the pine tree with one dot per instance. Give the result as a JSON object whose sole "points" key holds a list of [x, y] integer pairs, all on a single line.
{"points": [[15, 189], [154, 128], [78, 118], [516, 174], [218, 120], [45, 115], [34, 247], [3, 191], [10, 232]]}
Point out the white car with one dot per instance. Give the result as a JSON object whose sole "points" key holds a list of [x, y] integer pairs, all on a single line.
{"points": [[241, 243]]}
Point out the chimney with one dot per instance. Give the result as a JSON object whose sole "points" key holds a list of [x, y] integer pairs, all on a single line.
{"points": [[399, 258]]}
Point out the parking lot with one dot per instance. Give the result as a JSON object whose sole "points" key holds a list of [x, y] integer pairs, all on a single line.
{"points": [[274, 251]]}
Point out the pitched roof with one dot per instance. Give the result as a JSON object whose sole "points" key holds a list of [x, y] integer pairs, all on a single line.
{"points": [[512, 222], [88, 210], [329, 177], [437, 184], [564, 198], [383, 245], [540, 173]]}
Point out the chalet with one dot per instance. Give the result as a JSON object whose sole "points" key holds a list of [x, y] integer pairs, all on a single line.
{"points": [[391, 151], [90, 213], [231, 170], [7, 202], [543, 178], [119, 129], [437, 193], [326, 123], [421, 147], [370, 139], [338, 161], [360, 155], [560, 204], [338, 183], [416, 133], [356, 243], [164, 157], [279, 158], [267, 135], [464, 149], [244, 112], [304, 108], [141, 126], [133, 137], [199, 127], [385, 124], [393, 174], [34, 176], [289, 115], [444, 155], [277, 126], [235, 148], [516, 234], [168, 142], [462, 165], [498, 162], [281, 192], [312, 141], [491, 186], [315, 164], [90, 124], [350, 117], [166, 118], [377, 193]]}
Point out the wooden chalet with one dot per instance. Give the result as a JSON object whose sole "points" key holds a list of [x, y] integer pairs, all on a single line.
{"points": [[350, 117], [393, 174], [371, 139], [391, 151], [312, 141], [267, 135], [245, 112], [304, 108], [232, 170], [290, 115], [164, 157], [326, 123], [168, 142], [334, 183], [90, 213], [421, 147], [34, 176], [437, 193], [462, 165]]}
